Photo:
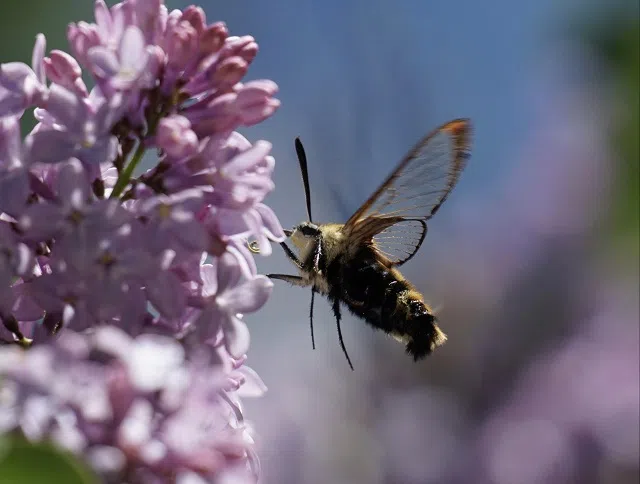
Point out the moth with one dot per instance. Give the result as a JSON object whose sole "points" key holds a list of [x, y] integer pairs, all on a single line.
{"points": [[355, 264]]}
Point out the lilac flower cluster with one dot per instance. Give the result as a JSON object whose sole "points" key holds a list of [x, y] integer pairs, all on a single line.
{"points": [[121, 291], [137, 405]]}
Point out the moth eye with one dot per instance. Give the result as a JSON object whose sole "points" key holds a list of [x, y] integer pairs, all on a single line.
{"points": [[309, 230]]}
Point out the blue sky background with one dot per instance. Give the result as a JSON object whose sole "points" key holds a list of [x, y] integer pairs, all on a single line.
{"points": [[361, 81]]}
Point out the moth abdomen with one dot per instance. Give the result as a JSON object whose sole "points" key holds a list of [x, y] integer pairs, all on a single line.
{"points": [[421, 332], [384, 299]]}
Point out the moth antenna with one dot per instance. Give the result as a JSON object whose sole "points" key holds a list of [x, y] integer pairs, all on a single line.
{"points": [[302, 159]]}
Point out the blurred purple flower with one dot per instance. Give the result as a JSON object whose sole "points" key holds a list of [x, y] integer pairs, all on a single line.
{"points": [[243, 105], [172, 221], [65, 71], [132, 407], [124, 67], [22, 86], [176, 138], [81, 128], [15, 176], [15, 260], [102, 270], [586, 390], [224, 298]]}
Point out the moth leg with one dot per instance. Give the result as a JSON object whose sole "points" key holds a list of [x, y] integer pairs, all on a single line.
{"points": [[313, 295], [294, 280], [290, 254], [336, 312]]}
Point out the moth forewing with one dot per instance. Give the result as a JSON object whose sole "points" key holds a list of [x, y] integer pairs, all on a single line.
{"points": [[423, 179]]}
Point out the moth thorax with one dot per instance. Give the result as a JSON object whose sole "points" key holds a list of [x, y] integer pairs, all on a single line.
{"points": [[333, 239], [302, 235]]}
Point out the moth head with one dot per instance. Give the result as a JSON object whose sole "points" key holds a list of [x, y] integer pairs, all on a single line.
{"points": [[304, 234]]}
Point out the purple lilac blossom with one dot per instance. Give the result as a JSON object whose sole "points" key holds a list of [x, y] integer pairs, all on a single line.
{"points": [[140, 404], [122, 293]]}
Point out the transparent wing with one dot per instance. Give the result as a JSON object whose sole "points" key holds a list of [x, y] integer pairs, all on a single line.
{"points": [[401, 241], [420, 184]]}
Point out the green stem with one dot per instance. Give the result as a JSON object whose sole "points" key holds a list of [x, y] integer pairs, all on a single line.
{"points": [[125, 176], [127, 172]]}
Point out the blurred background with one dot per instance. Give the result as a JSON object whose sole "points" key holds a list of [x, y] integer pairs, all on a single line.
{"points": [[532, 264]]}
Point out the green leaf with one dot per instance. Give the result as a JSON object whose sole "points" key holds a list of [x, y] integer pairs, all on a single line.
{"points": [[22, 462], [614, 36]]}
